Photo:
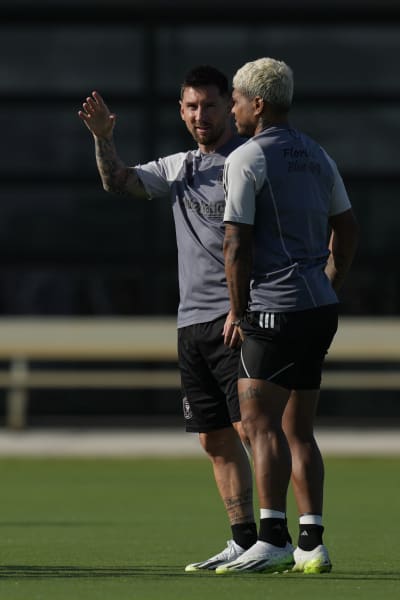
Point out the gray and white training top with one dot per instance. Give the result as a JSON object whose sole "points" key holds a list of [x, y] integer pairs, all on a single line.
{"points": [[287, 186], [193, 183]]}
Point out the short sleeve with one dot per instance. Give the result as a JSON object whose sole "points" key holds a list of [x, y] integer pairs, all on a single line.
{"points": [[340, 201], [244, 175], [157, 176]]}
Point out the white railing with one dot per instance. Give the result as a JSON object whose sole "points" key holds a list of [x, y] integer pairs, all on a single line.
{"points": [[153, 340]]}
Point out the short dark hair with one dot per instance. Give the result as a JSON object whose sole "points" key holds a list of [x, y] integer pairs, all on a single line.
{"points": [[206, 75]]}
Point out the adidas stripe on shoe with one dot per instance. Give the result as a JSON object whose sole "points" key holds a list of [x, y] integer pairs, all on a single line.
{"points": [[231, 552], [262, 556]]}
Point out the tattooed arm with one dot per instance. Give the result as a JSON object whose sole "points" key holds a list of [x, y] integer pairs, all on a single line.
{"points": [[238, 256], [115, 175]]}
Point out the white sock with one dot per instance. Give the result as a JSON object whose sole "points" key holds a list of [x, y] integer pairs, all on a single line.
{"points": [[310, 519], [268, 513]]}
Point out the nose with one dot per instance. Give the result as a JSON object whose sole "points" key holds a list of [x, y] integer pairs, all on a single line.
{"points": [[199, 114]]}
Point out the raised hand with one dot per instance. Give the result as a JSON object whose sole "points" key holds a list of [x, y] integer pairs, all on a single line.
{"points": [[97, 116]]}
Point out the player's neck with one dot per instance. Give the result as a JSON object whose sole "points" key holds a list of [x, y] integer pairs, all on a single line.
{"points": [[267, 121]]}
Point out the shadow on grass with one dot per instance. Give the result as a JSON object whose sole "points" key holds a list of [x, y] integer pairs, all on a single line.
{"points": [[55, 523], [168, 571], [61, 571]]}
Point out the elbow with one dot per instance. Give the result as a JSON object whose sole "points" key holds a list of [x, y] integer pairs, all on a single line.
{"points": [[115, 184], [231, 250], [225, 246], [107, 187], [112, 189]]}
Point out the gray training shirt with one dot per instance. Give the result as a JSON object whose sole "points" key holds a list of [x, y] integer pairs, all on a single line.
{"points": [[192, 181], [287, 186]]}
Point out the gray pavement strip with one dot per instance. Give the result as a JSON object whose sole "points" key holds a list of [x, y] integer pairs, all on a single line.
{"points": [[173, 442]]}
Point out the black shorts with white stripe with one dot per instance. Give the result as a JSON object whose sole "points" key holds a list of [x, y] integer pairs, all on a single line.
{"points": [[287, 348]]}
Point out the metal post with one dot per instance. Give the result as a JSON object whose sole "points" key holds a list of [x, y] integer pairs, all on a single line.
{"points": [[17, 394]]}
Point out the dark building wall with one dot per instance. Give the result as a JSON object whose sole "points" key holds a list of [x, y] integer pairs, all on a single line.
{"points": [[67, 247]]}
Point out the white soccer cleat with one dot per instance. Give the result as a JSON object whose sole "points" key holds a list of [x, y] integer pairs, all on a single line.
{"points": [[312, 561], [262, 556], [231, 552]]}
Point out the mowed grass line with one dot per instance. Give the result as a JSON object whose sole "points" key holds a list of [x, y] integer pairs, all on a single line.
{"points": [[123, 529]]}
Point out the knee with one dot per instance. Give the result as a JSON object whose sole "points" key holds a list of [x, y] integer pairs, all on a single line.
{"points": [[242, 433], [220, 442], [211, 442], [299, 437], [254, 425]]}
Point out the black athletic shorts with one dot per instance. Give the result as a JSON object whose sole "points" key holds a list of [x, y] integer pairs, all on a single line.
{"points": [[288, 348], [209, 372]]}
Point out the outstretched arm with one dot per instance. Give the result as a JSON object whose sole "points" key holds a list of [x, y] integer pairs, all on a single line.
{"points": [[115, 175], [343, 245]]}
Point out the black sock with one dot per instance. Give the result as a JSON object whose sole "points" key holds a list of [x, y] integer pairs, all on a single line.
{"points": [[310, 536], [273, 531], [288, 536], [244, 534]]}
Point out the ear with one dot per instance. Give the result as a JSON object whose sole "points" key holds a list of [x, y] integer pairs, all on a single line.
{"points": [[259, 105], [181, 110]]}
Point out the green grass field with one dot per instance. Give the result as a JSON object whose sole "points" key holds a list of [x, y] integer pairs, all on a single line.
{"points": [[117, 529]]}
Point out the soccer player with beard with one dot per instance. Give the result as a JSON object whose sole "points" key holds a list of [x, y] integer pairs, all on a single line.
{"points": [[192, 182]]}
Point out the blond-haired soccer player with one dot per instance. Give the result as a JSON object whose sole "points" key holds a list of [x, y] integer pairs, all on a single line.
{"points": [[290, 238]]}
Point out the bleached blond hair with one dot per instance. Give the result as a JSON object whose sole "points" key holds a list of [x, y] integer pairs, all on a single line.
{"points": [[268, 78]]}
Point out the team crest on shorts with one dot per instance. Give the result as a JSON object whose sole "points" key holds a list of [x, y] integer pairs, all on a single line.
{"points": [[187, 411]]}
